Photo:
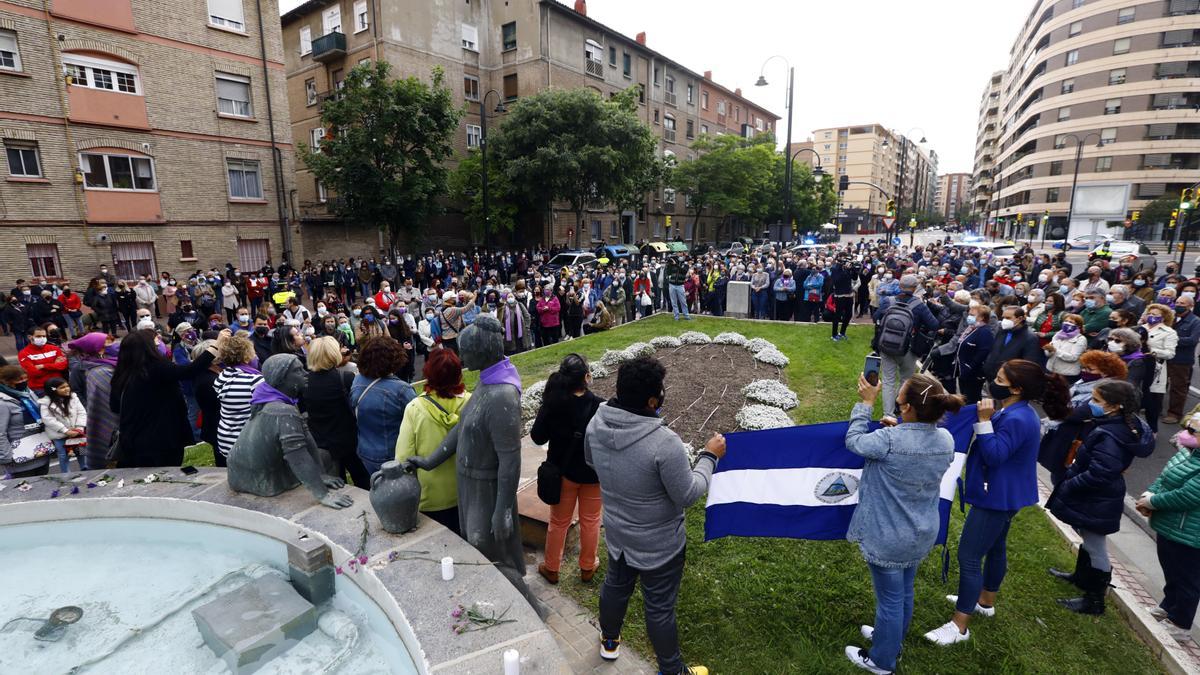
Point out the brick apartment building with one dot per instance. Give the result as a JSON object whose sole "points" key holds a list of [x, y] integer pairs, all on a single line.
{"points": [[515, 48], [952, 194], [139, 134]]}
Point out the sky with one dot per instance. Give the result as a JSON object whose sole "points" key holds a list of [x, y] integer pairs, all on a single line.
{"points": [[915, 66]]}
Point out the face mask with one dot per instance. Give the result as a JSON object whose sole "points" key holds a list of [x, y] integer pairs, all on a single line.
{"points": [[1139, 282], [1089, 303], [356, 312], [429, 316], [1064, 290], [1043, 278], [1007, 324], [309, 331], [370, 318], [26, 293], [1070, 328], [1163, 300], [964, 269], [393, 321], [999, 392], [329, 326], [1115, 347], [321, 310], [1188, 440], [190, 336], [971, 319], [344, 324], [1109, 298], [1089, 377], [512, 301], [1097, 409], [546, 293], [21, 386], [39, 341], [1188, 294], [243, 318], [1153, 320], [260, 331]]}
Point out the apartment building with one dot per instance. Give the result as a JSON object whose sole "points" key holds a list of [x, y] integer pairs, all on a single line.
{"points": [[952, 195], [1105, 88], [501, 52], [146, 135], [872, 154], [987, 134]]}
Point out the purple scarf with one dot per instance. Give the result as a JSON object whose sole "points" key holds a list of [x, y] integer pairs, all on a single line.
{"points": [[248, 369], [502, 372], [265, 393], [508, 324], [1133, 357]]}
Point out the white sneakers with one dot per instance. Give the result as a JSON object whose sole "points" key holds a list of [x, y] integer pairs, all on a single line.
{"points": [[1158, 613], [979, 609], [1180, 635], [858, 656], [947, 634], [868, 632]]}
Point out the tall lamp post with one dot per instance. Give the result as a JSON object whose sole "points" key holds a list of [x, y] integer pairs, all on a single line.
{"points": [[818, 171], [483, 174], [787, 170], [1075, 178]]}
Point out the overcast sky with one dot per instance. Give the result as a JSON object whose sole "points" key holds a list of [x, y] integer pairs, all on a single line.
{"points": [[915, 64]]}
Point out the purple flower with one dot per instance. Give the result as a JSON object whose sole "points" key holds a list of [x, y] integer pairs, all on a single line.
{"points": [[338, 569], [74, 489], [393, 556], [91, 485], [53, 494], [457, 613], [362, 559]]}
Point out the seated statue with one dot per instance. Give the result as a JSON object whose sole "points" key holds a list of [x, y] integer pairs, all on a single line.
{"points": [[487, 441], [275, 453]]}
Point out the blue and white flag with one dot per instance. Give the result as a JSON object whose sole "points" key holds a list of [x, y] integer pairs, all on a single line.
{"points": [[802, 482]]}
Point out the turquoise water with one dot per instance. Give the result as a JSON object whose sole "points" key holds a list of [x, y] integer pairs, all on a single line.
{"points": [[137, 582]]}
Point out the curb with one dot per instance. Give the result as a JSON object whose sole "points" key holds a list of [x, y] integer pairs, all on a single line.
{"points": [[1170, 653]]}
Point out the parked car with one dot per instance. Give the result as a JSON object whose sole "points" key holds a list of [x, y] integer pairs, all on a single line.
{"points": [[700, 249], [614, 251], [578, 259], [998, 251], [731, 248], [1137, 255], [1085, 241]]}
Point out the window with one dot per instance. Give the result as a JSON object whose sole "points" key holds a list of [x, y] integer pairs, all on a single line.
{"points": [[322, 193], [470, 87], [1126, 15], [508, 36], [305, 41], [704, 128], [233, 95], [117, 172], [362, 20], [1060, 141], [656, 115], [657, 76], [1103, 164], [338, 79], [470, 37], [1068, 86], [1076, 4], [10, 58], [1072, 57], [691, 93], [244, 179], [1056, 168], [669, 128], [593, 56], [597, 233], [331, 19], [134, 259], [1051, 195], [310, 92], [612, 56], [626, 64], [1064, 114], [315, 136], [87, 71], [720, 107], [474, 135], [185, 250], [1121, 46], [253, 254], [1075, 29], [1116, 76], [43, 259], [226, 14], [1108, 136], [23, 159], [704, 100], [691, 129], [510, 87], [1112, 106]]}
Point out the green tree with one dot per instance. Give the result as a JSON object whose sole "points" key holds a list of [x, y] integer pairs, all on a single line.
{"points": [[728, 175], [814, 200], [1158, 212], [574, 146], [466, 188], [385, 150]]}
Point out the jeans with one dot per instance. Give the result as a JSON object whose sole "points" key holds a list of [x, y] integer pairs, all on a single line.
{"points": [[894, 371], [679, 301], [660, 591], [1181, 568], [64, 456], [588, 498], [843, 308], [761, 301], [22, 339], [893, 611], [984, 535], [74, 324]]}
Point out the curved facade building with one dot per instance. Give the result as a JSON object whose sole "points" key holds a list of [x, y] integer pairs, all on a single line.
{"points": [[1119, 78]]}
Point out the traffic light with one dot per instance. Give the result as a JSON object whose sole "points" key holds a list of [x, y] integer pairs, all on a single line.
{"points": [[1137, 215], [1045, 217], [843, 183], [1187, 199], [668, 223], [912, 222], [891, 208], [1174, 219]]}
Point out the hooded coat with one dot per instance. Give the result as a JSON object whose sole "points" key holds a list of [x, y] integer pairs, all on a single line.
{"points": [[258, 463], [1091, 495], [427, 420]]}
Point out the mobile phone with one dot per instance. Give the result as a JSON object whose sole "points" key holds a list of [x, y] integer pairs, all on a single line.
{"points": [[871, 369], [189, 470]]}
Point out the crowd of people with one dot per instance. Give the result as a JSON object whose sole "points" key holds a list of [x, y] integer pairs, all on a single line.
{"points": [[1076, 372]]}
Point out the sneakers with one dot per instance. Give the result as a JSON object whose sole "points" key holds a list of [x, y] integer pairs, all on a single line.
{"points": [[610, 650], [947, 634], [1158, 613], [868, 633], [979, 609], [1181, 635], [859, 657]]}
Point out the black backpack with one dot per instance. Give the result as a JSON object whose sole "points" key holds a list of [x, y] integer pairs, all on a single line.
{"points": [[895, 332]]}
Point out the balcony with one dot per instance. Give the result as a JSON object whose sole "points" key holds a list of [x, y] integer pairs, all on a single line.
{"points": [[595, 68], [328, 47]]}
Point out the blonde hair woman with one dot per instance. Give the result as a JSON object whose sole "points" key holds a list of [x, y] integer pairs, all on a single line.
{"points": [[330, 419]]}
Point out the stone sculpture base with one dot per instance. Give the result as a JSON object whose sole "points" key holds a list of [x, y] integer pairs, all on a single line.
{"points": [[255, 623]]}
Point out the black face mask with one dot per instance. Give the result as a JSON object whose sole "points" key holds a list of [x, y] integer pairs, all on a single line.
{"points": [[999, 392], [260, 331]]}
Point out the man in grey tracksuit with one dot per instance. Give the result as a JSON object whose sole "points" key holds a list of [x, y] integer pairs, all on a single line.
{"points": [[646, 482]]}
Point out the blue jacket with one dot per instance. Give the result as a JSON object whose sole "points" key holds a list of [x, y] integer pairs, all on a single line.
{"points": [[1001, 472], [1188, 330], [379, 412], [973, 350], [897, 519]]}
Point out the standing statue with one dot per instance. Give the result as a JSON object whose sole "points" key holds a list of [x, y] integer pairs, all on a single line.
{"points": [[275, 453], [487, 440]]}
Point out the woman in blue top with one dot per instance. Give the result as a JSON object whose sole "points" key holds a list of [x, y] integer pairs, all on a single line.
{"points": [[1001, 479], [378, 397], [897, 520]]}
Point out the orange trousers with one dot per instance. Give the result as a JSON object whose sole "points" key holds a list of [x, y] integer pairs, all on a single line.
{"points": [[588, 499]]}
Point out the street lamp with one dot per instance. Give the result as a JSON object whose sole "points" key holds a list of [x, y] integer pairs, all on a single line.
{"points": [[818, 172], [1075, 178], [483, 177], [787, 170]]}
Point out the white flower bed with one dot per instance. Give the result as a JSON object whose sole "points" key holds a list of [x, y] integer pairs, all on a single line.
{"points": [[693, 337], [528, 428], [599, 370], [692, 452], [772, 357], [758, 417], [531, 400], [736, 339], [639, 349], [666, 342], [771, 392], [756, 345], [613, 358]]}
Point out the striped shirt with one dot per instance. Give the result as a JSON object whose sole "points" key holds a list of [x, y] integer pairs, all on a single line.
{"points": [[234, 388]]}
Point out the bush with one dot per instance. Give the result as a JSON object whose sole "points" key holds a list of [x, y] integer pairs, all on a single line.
{"points": [[693, 337], [531, 400], [772, 357], [771, 392], [756, 345], [666, 342], [736, 339], [639, 349], [756, 417]]}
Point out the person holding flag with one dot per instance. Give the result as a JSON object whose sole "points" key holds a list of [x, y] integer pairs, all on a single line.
{"points": [[897, 520]]}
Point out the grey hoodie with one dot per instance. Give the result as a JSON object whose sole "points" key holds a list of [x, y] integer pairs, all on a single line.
{"points": [[646, 483]]}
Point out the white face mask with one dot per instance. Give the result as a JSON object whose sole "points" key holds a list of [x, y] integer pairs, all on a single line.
{"points": [[1007, 324], [39, 342], [1115, 347]]}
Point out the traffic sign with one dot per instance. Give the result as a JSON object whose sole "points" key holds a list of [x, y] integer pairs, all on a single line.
{"points": [[888, 222]]}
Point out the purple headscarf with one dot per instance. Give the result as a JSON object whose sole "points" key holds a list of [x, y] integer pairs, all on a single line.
{"points": [[502, 372], [265, 393]]}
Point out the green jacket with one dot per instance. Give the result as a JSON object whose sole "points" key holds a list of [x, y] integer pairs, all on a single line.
{"points": [[1095, 320], [1176, 499], [421, 432]]}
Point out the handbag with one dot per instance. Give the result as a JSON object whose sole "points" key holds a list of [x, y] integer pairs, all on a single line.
{"points": [[549, 483], [32, 446]]}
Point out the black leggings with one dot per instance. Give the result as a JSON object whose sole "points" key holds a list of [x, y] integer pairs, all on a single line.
{"points": [[843, 308]]}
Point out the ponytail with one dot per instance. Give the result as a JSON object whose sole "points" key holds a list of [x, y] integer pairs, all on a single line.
{"points": [[570, 377], [1036, 385], [929, 399]]}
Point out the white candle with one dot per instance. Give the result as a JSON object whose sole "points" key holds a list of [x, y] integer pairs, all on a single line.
{"points": [[447, 568], [512, 662]]}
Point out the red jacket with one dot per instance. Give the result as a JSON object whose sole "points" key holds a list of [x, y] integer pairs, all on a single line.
{"points": [[547, 309], [72, 302], [384, 301], [52, 360], [640, 285]]}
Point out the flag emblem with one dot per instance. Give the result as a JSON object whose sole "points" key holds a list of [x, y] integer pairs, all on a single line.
{"points": [[836, 486]]}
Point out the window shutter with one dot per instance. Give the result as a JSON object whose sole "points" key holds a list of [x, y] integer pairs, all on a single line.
{"points": [[226, 9], [305, 40], [1161, 130], [1179, 6], [1172, 68], [233, 87], [1158, 159], [8, 42], [1177, 37], [1152, 189]]}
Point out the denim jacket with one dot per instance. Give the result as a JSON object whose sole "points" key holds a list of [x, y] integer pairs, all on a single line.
{"points": [[897, 519]]}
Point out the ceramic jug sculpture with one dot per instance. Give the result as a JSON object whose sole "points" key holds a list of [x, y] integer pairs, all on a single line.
{"points": [[395, 496]]}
